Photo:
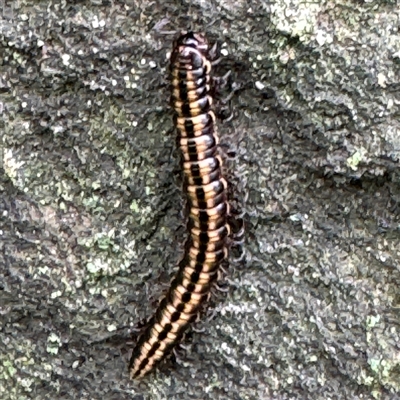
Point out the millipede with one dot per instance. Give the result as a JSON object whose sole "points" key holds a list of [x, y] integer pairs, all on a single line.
{"points": [[206, 192]]}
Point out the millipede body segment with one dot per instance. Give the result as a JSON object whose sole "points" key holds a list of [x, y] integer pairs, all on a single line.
{"points": [[207, 203]]}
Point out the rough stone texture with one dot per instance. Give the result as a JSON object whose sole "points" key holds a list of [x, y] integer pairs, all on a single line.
{"points": [[91, 221]]}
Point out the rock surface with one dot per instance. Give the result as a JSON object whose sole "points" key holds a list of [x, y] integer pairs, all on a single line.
{"points": [[91, 207]]}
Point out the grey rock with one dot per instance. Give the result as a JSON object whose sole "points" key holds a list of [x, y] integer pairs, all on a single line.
{"points": [[91, 207]]}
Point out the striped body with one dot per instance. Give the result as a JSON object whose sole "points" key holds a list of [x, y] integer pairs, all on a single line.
{"points": [[207, 200]]}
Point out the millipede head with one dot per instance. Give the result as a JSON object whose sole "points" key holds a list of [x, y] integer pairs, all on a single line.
{"points": [[191, 39]]}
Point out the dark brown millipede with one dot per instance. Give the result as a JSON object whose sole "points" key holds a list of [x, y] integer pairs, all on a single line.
{"points": [[205, 189]]}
